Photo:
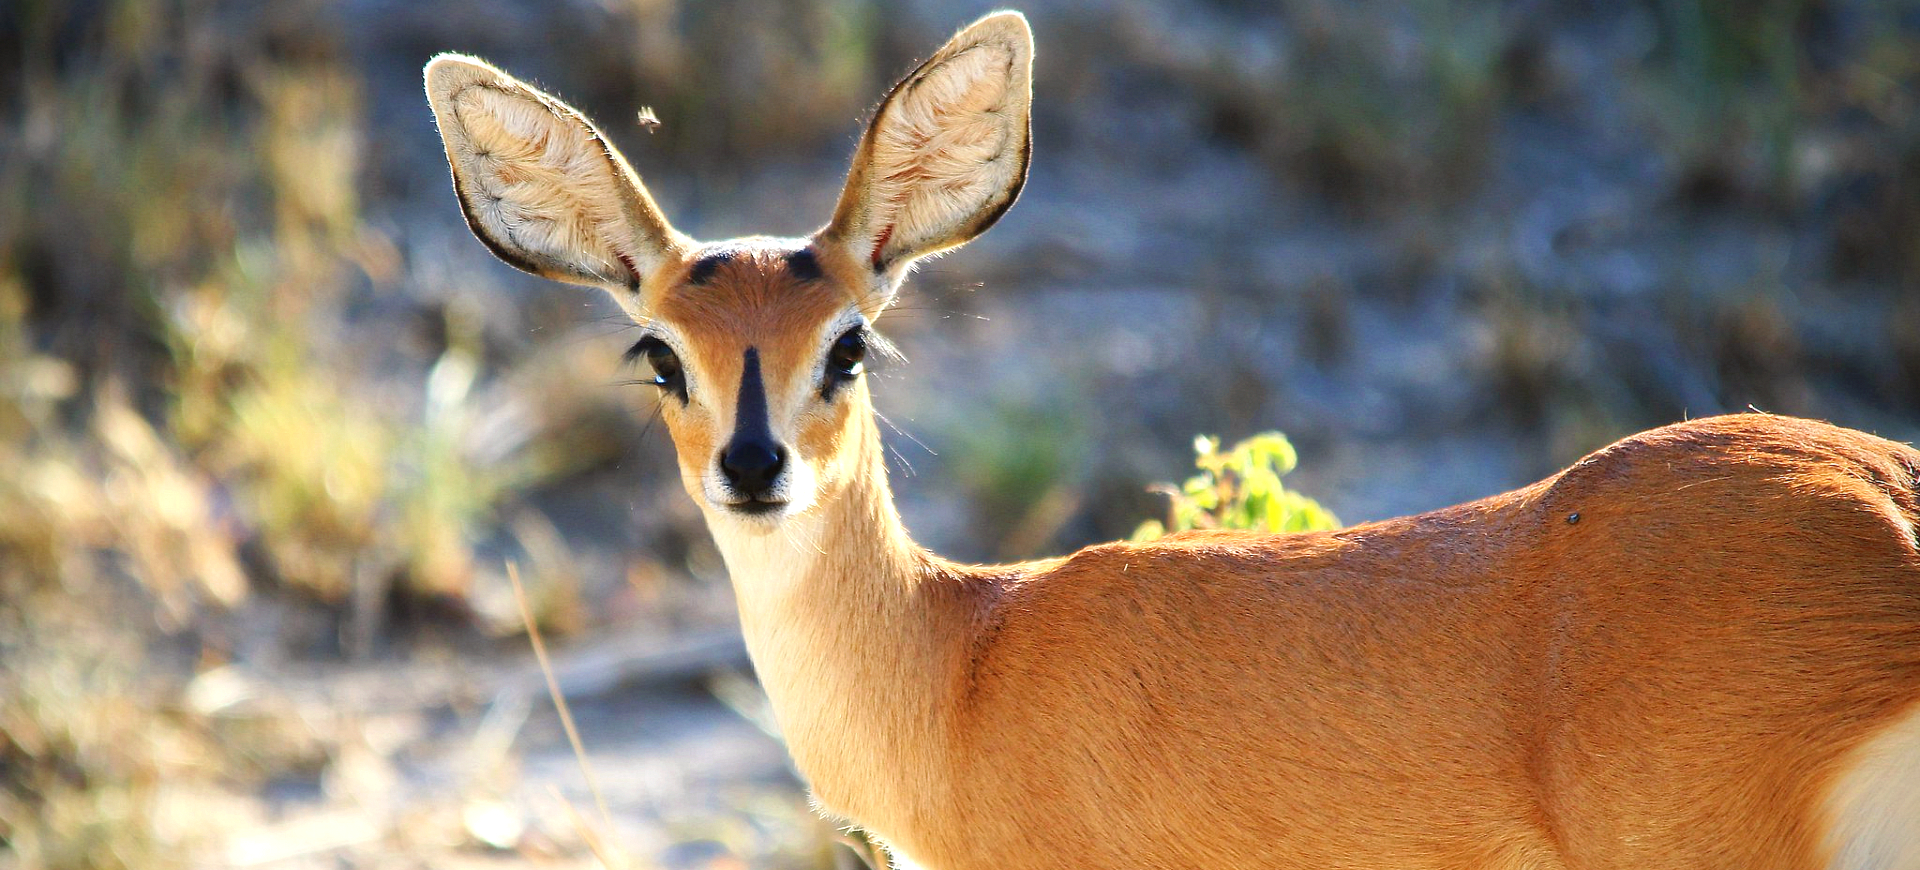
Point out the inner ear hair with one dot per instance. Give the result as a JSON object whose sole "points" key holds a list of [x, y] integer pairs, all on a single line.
{"points": [[540, 185], [946, 153]]}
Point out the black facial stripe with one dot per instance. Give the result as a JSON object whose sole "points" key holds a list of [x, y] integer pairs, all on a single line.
{"points": [[750, 421], [703, 267], [803, 265]]}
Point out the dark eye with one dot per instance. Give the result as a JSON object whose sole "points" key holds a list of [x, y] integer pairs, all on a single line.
{"points": [[844, 358], [667, 373]]}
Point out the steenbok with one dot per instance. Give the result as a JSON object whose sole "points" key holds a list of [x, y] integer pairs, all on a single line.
{"points": [[1699, 647]]}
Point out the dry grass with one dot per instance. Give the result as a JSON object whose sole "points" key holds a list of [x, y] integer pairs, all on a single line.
{"points": [[194, 440]]}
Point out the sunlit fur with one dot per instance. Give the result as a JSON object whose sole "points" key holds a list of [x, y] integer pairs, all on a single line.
{"points": [[945, 155], [1875, 803], [1698, 648], [754, 301], [539, 184]]}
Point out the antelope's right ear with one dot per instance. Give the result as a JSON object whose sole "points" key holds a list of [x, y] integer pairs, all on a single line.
{"points": [[540, 185]]}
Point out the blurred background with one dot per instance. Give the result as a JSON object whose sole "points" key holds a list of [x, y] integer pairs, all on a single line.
{"points": [[272, 423]]}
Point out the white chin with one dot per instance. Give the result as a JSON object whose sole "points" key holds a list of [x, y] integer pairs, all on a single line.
{"points": [[755, 513]]}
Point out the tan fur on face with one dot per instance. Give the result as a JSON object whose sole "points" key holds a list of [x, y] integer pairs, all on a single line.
{"points": [[753, 300]]}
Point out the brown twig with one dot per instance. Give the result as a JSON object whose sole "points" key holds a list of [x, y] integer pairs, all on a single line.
{"points": [[594, 843]]}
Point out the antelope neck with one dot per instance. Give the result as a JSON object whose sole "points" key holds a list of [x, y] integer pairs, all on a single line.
{"points": [[839, 609]]}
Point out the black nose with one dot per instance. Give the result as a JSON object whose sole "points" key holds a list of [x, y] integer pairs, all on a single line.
{"points": [[751, 466]]}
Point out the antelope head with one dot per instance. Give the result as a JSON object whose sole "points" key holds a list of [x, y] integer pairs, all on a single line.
{"points": [[758, 343]]}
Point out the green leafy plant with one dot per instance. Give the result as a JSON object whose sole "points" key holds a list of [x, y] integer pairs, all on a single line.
{"points": [[1239, 488]]}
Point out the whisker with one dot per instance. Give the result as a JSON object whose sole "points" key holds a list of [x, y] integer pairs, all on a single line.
{"points": [[906, 466], [888, 350], [813, 542], [659, 405], [619, 319], [904, 434], [943, 314]]}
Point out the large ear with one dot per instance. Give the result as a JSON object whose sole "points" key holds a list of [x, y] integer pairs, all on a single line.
{"points": [[539, 183], [946, 153]]}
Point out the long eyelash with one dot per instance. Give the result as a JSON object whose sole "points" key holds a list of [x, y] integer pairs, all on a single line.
{"points": [[638, 350]]}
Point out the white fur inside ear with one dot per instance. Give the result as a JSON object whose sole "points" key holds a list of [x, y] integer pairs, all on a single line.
{"points": [[948, 149], [540, 182]]}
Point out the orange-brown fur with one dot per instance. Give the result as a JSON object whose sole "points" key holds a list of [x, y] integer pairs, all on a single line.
{"points": [[750, 301], [1664, 656], [1667, 682]]}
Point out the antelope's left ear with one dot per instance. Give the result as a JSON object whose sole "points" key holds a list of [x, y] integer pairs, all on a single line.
{"points": [[945, 155]]}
